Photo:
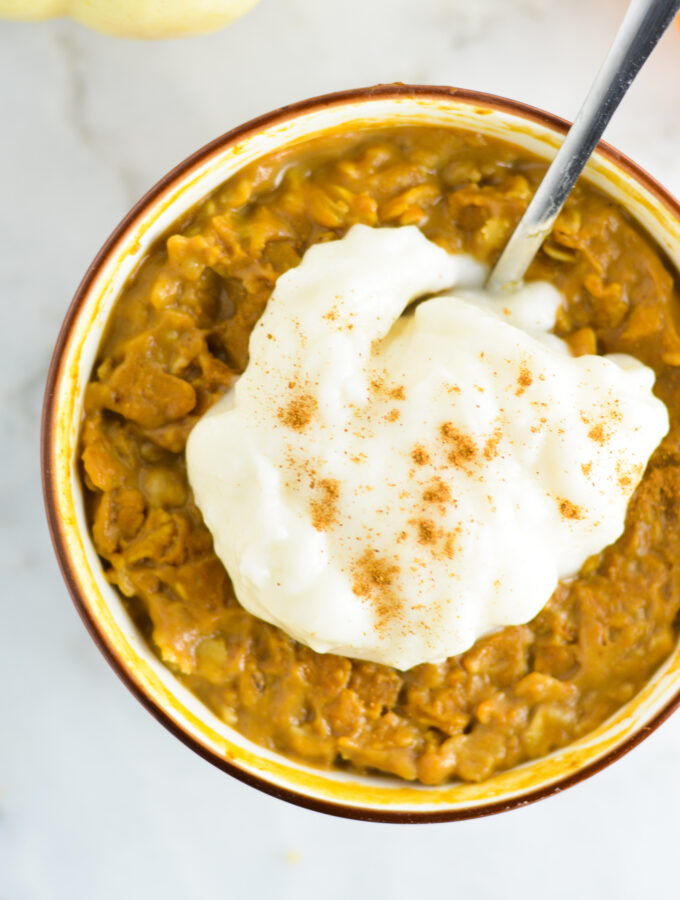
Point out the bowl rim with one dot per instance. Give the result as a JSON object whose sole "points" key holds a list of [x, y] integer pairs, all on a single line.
{"points": [[58, 528]]}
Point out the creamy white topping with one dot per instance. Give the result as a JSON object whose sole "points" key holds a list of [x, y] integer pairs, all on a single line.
{"points": [[391, 487]]}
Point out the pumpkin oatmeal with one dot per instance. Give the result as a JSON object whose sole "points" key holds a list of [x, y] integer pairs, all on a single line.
{"points": [[178, 340]]}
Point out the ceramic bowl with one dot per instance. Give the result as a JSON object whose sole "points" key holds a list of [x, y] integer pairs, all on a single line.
{"points": [[340, 793]]}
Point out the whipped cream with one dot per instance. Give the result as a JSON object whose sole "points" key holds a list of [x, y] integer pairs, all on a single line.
{"points": [[392, 487]]}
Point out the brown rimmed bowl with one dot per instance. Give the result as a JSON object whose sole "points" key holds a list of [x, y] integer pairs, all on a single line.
{"points": [[100, 606]]}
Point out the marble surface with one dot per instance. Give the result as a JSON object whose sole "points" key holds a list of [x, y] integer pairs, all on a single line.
{"points": [[97, 800]]}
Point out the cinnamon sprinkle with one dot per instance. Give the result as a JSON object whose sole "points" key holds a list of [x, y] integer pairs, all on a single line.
{"points": [[598, 434], [298, 413], [427, 533], [324, 509], [437, 492], [420, 456], [439, 542], [373, 578], [378, 386], [464, 449], [450, 544], [569, 510], [524, 380], [626, 475], [491, 445]]}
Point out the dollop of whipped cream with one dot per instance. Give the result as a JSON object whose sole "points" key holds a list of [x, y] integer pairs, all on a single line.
{"points": [[393, 486]]}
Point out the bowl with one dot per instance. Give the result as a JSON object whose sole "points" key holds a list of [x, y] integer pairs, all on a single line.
{"points": [[337, 792]]}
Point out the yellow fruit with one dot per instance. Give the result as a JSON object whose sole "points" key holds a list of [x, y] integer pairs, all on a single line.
{"points": [[134, 18]]}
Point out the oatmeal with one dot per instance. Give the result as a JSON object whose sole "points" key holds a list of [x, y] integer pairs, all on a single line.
{"points": [[178, 340]]}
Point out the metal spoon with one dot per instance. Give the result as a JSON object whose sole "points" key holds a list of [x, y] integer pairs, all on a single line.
{"points": [[642, 27]]}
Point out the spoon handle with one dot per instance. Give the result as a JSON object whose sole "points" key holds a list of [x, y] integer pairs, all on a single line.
{"points": [[643, 25]]}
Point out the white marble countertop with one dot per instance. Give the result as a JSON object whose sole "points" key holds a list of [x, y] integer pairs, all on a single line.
{"points": [[97, 801]]}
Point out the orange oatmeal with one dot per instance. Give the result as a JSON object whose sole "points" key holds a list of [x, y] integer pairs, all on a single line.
{"points": [[178, 339]]}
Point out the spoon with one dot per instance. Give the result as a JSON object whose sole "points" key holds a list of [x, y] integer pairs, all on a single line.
{"points": [[644, 23]]}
